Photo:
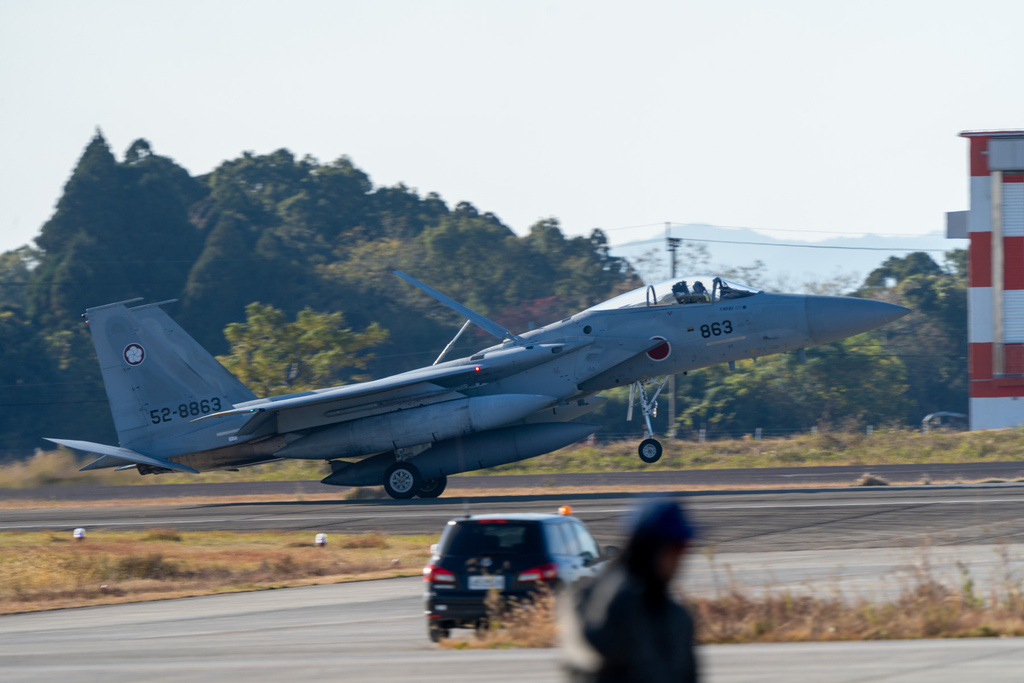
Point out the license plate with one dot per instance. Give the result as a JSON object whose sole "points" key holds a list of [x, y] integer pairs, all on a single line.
{"points": [[485, 583]]}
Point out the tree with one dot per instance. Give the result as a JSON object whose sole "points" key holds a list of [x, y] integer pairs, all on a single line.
{"points": [[292, 233], [272, 356], [898, 268], [932, 340], [852, 380], [48, 382], [15, 274], [121, 230]]}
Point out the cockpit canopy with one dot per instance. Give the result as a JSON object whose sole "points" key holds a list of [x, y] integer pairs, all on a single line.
{"points": [[696, 289]]}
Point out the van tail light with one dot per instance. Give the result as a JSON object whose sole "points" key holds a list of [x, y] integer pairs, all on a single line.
{"points": [[434, 574], [545, 572]]}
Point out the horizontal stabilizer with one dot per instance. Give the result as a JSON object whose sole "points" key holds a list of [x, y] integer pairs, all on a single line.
{"points": [[106, 462], [120, 453]]}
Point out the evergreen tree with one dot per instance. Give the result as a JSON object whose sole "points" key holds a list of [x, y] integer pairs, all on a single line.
{"points": [[932, 340], [121, 230]]}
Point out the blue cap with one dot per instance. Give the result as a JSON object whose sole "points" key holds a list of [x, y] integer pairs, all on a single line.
{"points": [[660, 520]]}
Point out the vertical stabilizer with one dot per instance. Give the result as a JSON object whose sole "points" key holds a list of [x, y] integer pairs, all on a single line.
{"points": [[158, 380]]}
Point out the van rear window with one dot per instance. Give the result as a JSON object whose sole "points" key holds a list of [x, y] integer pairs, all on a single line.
{"points": [[502, 537]]}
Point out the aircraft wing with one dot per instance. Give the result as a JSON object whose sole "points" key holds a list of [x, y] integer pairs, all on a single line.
{"points": [[348, 391], [294, 412]]}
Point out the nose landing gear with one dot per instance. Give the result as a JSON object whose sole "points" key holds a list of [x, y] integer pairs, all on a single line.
{"points": [[650, 448]]}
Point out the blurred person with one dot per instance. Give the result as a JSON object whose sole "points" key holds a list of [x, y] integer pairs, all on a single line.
{"points": [[624, 625]]}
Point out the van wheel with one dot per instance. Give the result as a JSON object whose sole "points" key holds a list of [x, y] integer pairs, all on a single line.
{"points": [[436, 633], [402, 480]]}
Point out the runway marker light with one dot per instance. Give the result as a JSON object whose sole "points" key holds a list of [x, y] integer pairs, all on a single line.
{"points": [[78, 534], [320, 541], [565, 510]]}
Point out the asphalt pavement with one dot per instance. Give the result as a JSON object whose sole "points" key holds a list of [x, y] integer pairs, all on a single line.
{"points": [[860, 541], [374, 631], [754, 476], [780, 520]]}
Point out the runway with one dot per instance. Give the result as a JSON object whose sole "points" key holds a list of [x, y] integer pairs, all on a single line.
{"points": [[781, 520], [374, 631], [766, 477], [861, 541]]}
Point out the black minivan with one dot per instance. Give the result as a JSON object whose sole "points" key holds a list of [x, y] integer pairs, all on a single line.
{"points": [[513, 554]]}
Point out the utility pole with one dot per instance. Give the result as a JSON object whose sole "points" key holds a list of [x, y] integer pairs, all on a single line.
{"points": [[672, 244]]}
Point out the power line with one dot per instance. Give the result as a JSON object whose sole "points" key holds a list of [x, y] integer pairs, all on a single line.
{"points": [[796, 246], [820, 246], [740, 227], [631, 227]]}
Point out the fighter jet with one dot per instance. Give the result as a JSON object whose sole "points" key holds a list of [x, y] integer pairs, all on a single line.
{"points": [[176, 408]]}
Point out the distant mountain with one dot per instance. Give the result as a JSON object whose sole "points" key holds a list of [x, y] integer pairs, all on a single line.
{"points": [[789, 264]]}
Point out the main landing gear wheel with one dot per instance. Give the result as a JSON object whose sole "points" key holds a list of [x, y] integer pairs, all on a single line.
{"points": [[432, 488], [402, 480], [650, 450]]}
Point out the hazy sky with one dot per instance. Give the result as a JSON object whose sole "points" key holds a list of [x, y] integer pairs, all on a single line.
{"points": [[808, 115]]}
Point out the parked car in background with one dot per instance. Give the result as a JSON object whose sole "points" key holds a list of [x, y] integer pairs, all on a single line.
{"points": [[513, 554]]}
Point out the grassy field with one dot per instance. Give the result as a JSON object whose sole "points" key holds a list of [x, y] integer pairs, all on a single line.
{"points": [[46, 570], [884, 446]]}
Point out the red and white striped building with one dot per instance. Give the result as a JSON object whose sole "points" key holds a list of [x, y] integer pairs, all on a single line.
{"points": [[995, 303]]}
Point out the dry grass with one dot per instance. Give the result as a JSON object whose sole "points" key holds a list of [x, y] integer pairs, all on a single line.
{"points": [[928, 610], [55, 467], [519, 624], [62, 466], [826, 447], [366, 493], [44, 570], [162, 535], [925, 608]]}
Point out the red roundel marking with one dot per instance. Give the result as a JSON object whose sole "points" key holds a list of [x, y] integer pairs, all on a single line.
{"points": [[661, 351], [134, 354]]}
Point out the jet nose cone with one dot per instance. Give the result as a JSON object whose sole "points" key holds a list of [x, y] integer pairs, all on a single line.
{"points": [[836, 317]]}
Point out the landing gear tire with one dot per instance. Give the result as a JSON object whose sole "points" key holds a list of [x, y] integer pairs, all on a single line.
{"points": [[650, 451], [402, 480], [432, 488]]}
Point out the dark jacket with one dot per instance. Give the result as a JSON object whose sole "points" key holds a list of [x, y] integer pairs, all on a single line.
{"points": [[614, 629]]}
